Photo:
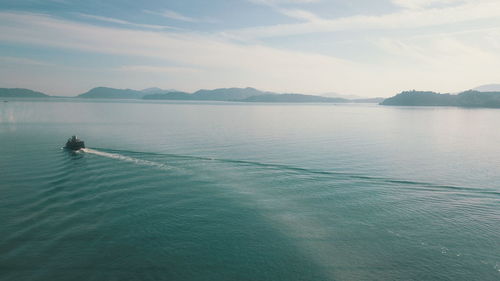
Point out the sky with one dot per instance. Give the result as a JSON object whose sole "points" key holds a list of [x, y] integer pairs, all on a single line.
{"points": [[369, 48]]}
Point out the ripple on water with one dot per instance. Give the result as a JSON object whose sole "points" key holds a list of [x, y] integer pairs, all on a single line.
{"points": [[109, 206]]}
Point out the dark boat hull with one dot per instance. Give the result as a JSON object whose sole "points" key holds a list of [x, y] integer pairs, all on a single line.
{"points": [[74, 144]]}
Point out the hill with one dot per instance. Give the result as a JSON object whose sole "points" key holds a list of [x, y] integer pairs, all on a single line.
{"points": [[419, 98], [337, 95], [20, 93], [465, 99], [488, 88], [241, 95], [168, 96], [222, 94], [111, 93], [292, 98], [156, 90], [227, 94], [479, 99]]}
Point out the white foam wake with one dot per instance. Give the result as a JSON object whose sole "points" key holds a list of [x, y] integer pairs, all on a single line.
{"points": [[126, 158]]}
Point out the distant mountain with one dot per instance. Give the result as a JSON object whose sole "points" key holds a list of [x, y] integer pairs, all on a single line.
{"points": [[241, 95], [20, 93], [221, 94], [419, 98], [337, 95], [227, 94], [292, 98], [156, 90], [488, 88], [464, 99], [479, 99], [152, 90], [111, 93], [168, 96]]}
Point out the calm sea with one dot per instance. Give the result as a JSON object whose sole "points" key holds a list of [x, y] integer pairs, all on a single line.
{"points": [[238, 191]]}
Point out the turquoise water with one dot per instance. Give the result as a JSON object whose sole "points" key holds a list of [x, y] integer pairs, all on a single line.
{"points": [[228, 191]]}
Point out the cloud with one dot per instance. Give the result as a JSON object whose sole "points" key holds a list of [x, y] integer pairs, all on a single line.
{"points": [[438, 53], [443, 64], [169, 14], [18, 60], [299, 14], [123, 22], [212, 62], [190, 61], [405, 19], [278, 2], [156, 69], [421, 4]]}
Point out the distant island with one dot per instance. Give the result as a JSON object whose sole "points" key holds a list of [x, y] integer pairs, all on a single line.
{"points": [[293, 98], [168, 96], [488, 88], [111, 93], [242, 95], [471, 98], [482, 96], [21, 93], [489, 97], [222, 94]]}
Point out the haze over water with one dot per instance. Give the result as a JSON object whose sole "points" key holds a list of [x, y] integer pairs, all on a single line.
{"points": [[230, 191]]}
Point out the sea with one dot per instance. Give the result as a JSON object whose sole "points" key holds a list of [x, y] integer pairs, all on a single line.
{"points": [[248, 191]]}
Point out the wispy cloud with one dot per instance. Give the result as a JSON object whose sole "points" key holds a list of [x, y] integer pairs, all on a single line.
{"points": [[207, 61], [220, 63], [405, 19], [422, 4], [277, 2], [156, 69], [280, 7], [438, 52], [299, 14], [18, 60], [169, 14], [124, 22]]}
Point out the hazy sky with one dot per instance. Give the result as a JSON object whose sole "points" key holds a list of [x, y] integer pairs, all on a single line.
{"points": [[361, 47]]}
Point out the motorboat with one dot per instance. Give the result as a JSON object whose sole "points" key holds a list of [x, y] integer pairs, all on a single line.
{"points": [[74, 144]]}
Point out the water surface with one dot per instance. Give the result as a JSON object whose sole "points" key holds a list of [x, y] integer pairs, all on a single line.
{"points": [[236, 191]]}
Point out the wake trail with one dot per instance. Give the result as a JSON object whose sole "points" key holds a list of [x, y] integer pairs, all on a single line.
{"points": [[127, 159], [410, 184]]}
